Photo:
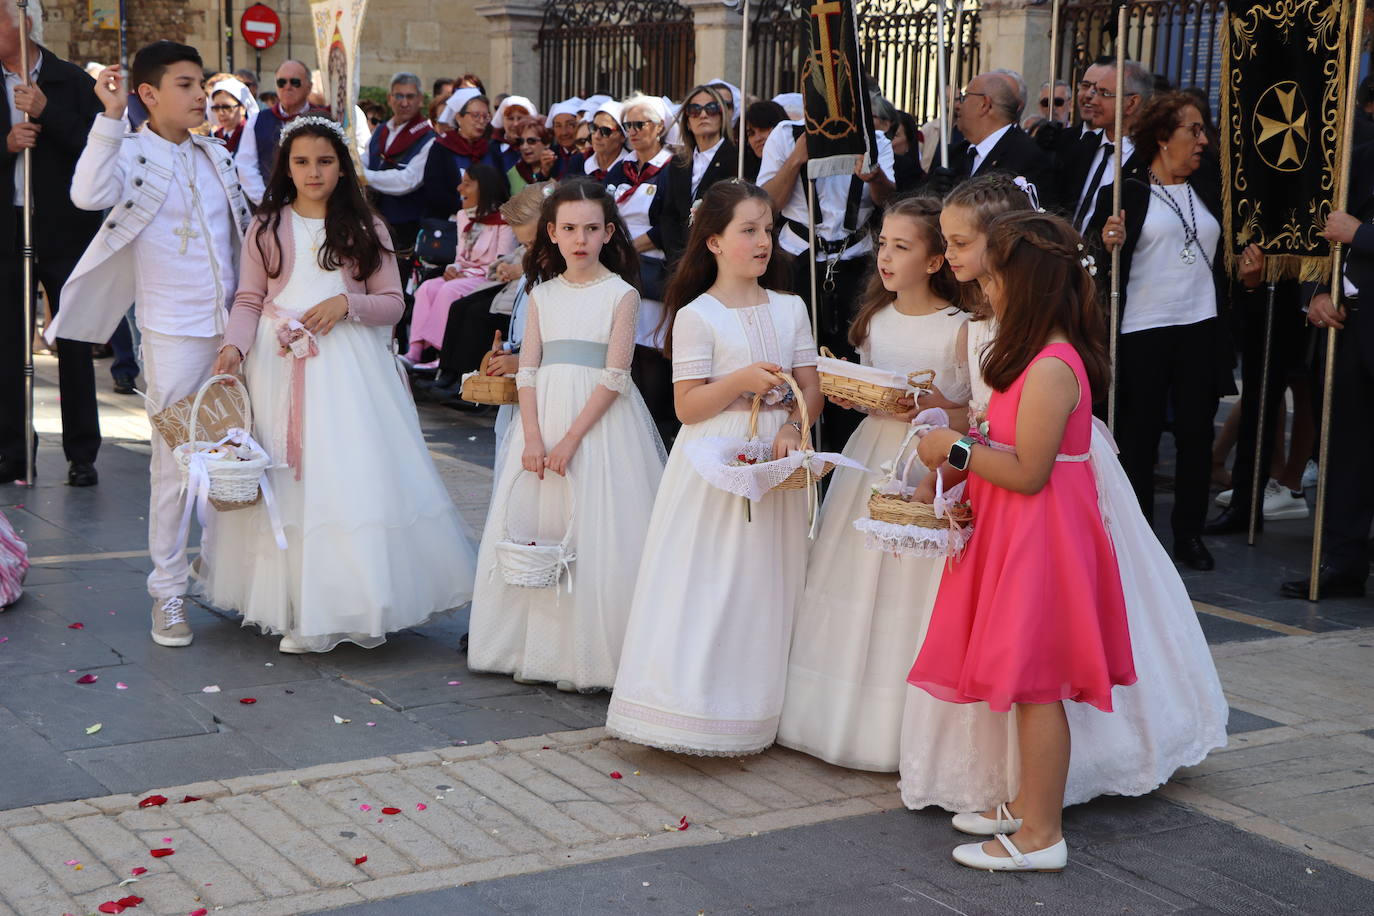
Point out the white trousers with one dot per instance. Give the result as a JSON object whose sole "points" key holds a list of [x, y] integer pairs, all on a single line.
{"points": [[173, 367]]}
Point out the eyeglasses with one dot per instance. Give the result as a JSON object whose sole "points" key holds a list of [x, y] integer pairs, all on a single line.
{"points": [[527, 141], [710, 108], [1058, 103], [964, 95], [602, 131], [223, 107], [284, 81], [1104, 93], [1195, 129], [476, 115], [636, 126], [405, 96]]}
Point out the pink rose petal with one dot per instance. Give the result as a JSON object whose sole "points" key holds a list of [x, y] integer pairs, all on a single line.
{"points": [[421, 806], [364, 807], [120, 685]]}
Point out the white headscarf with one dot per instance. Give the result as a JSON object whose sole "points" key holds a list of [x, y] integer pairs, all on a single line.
{"points": [[612, 108], [734, 100], [455, 104], [241, 93], [793, 103], [592, 104], [568, 106], [498, 120]]}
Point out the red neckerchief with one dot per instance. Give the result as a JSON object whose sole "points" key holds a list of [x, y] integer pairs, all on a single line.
{"points": [[407, 136], [638, 174], [456, 143], [285, 118], [231, 140], [527, 172], [494, 218]]}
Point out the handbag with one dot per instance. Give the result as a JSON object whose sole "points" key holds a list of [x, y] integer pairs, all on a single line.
{"points": [[437, 241]]}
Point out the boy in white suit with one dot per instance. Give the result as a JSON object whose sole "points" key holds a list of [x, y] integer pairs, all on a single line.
{"points": [[170, 244]]}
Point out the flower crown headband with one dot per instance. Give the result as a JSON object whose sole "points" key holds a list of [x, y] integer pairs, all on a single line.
{"points": [[311, 121]]}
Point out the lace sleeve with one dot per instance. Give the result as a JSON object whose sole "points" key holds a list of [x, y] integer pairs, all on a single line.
{"points": [[531, 347], [804, 352], [693, 347], [621, 348]]}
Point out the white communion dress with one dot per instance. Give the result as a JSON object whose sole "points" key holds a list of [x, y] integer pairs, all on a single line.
{"points": [[374, 543], [963, 757], [864, 611], [705, 657], [577, 337]]}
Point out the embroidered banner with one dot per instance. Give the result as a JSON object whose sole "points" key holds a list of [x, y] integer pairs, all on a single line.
{"points": [[1282, 104], [338, 28], [839, 125]]}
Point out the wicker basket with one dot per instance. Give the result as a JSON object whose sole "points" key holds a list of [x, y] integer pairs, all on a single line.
{"points": [[480, 388], [233, 484], [881, 398], [896, 509], [801, 477]]}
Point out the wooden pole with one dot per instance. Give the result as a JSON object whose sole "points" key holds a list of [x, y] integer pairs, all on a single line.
{"points": [[811, 255], [1114, 318], [1261, 464], [957, 52], [30, 439], [1346, 153], [743, 100], [1054, 57], [942, 77]]}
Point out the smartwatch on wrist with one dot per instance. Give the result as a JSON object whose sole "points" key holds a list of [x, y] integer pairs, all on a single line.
{"points": [[960, 453]]}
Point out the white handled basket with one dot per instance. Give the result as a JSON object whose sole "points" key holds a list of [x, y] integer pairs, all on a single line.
{"points": [[535, 564], [233, 484]]}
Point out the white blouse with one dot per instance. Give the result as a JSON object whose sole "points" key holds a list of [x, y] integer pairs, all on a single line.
{"points": [[1164, 290], [635, 209], [711, 340]]}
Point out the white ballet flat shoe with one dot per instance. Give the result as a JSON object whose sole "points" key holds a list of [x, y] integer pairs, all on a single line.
{"points": [[975, 824], [289, 646], [1051, 858]]}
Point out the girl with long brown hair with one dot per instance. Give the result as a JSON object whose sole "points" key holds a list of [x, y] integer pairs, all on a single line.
{"points": [[582, 464], [705, 656], [860, 621]]}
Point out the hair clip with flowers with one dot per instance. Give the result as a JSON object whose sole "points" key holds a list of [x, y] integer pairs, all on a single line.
{"points": [[1088, 261], [1030, 191]]}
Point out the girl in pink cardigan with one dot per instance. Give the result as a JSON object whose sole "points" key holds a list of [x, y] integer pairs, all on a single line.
{"points": [[357, 536], [483, 239]]}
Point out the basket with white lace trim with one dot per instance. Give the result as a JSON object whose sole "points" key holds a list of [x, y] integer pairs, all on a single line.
{"points": [[903, 526], [528, 561], [868, 386], [230, 469], [746, 467]]}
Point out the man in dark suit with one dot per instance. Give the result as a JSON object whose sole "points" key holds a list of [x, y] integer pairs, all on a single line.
{"points": [[58, 98], [1350, 490], [989, 110], [1087, 167]]}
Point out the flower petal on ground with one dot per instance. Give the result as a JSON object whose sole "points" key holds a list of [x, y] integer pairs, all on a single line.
{"points": [[88, 679], [161, 853], [152, 801]]}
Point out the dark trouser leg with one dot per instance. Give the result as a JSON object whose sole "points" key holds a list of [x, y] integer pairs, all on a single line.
{"points": [[1350, 485], [653, 376], [125, 364], [469, 332], [12, 332], [1251, 371], [1193, 389], [75, 373], [1141, 401]]}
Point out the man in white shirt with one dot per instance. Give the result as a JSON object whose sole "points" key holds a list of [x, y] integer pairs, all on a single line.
{"points": [[845, 205], [170, 243], [1083, 180], [396, 157]]}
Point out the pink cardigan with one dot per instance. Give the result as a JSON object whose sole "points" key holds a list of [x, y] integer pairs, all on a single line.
{"points": [[376, 301]]}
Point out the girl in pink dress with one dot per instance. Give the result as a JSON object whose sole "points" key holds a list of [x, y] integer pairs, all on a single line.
{"points": [[483, 238], [1034, 612]]}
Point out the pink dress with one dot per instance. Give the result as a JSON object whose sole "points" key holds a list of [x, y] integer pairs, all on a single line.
{"points": [[480, 245], [1034, 612]]}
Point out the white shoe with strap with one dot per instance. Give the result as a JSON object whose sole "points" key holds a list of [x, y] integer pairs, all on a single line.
{"points": [[974, 824], [1051, 858]]}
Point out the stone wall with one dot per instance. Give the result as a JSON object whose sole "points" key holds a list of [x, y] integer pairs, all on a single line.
{"points": [[430, 37]]}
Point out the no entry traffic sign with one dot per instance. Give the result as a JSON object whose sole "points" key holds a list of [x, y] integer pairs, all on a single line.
{"points": [[260, 25]]}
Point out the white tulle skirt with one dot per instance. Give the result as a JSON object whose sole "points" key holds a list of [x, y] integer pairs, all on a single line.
{"points": [[374, 543], [963, 757], [573, 631], [859, 624], [705, 657]]}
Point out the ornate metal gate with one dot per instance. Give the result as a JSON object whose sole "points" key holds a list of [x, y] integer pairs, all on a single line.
{"points": [[615, 47]]}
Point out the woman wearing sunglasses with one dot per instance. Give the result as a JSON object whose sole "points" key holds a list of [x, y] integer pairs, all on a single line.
{"points": [[607, 141], [538, 161], [641, 185], [228, 107], [708, 155], [469, 143]]}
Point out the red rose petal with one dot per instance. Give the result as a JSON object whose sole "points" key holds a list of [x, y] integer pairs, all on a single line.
{"points": [[109, 906], [129, 901], [682, 824], [161, 853], [200, 912], [615, 774], [358, 861], [87, 679], [76, 626], [190, 798], [140, 870], [391, 810], [247, 701], [152, 801]]}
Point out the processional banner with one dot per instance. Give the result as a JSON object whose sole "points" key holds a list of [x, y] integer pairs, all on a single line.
{"points": [[839, 124], [338, 30], [1282, 108]]}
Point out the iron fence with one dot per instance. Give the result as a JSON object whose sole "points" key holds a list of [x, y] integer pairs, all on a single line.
{"points": [[615, 47], [1177, 39]]}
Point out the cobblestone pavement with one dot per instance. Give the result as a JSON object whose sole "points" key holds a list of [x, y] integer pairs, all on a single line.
{"points": [[521, 810]]}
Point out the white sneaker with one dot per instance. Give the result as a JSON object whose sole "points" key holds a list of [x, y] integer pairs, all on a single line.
{"points": [[1223, 499], [1281, 503], [291, 647], [1051, 858], [1309, 475], [975, 824]]}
